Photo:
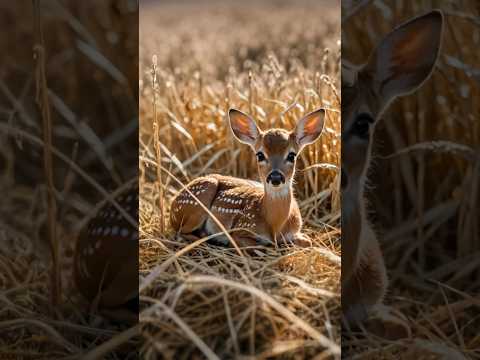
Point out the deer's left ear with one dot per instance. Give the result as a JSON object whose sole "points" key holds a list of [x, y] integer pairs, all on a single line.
{"points": [[309, 128]]}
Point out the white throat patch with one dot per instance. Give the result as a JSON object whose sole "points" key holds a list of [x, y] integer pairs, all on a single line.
{"points": [[278, 192]]}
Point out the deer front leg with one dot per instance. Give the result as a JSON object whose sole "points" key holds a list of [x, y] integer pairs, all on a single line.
{"points": [[366, 286], [388, 323], [301, 240], [291, 232], [253, 237], [363, 292], [245, 241]]}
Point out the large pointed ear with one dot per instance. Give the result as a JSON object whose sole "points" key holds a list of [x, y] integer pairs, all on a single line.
{"points": [[243, 127], [309, 128], [406, 57]]}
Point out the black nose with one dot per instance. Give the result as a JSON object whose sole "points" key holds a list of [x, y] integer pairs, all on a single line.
{"points": [[276, 178], [344, 179]]}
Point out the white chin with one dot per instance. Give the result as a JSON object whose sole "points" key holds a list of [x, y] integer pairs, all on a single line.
{"points": [[278, 191]]}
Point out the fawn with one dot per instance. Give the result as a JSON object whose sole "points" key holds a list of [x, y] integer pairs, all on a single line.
{"points": [[262, 212], [106, 259], [401, 63]]}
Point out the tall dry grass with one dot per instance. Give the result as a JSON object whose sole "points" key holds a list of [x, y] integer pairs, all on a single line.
{"points": [[85, 123], [275, 62], [425, 181]]}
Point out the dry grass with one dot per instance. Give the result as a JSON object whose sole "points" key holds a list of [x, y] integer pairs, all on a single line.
{"points": [[272, 61], [427, 202], [92, 107]]}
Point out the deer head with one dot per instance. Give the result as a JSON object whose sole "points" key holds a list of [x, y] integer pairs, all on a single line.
{"points": [[400, 64], [276, 149]]}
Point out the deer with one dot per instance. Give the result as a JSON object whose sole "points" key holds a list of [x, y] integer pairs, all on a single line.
{"points": [[106, 259], [254, 213], [401, 63]]}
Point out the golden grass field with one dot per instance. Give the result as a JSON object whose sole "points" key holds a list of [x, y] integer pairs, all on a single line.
{"points": [[275, 61], [424, 183]]}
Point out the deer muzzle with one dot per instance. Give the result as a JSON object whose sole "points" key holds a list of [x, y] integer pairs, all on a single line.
{"points": [[276, 178]]}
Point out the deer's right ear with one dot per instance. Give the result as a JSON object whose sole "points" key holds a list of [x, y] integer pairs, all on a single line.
{"points": [[243, 127], [406, 57]]}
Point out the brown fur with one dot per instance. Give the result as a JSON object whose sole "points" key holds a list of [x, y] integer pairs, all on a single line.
{"points": [[242, 205], [275, 141], [407, 55], [276, 212], [258, 213]]}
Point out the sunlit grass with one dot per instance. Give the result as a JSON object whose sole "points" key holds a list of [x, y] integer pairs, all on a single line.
{"points": [[283, 301], [424, 187]]}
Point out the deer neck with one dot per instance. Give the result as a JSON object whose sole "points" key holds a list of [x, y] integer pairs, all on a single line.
{"points": [[276, 206], [354, 227]]}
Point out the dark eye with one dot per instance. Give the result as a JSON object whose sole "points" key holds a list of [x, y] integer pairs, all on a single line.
{"points": [[291, 157], [361, 127], [261, 156]]}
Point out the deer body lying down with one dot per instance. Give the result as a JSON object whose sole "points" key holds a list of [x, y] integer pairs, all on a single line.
{"points": [[261, 212], [401, 63]]}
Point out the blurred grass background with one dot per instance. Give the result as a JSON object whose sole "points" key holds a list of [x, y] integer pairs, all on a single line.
{"points": [[424, 196], [91, 52]]}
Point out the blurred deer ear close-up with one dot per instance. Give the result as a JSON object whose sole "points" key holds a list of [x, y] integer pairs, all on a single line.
{"points": [[406, 57]]}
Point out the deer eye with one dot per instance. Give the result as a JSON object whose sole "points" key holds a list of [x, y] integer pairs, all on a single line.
{"points": [[291, 157], [361, 127], [261, 156]]}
